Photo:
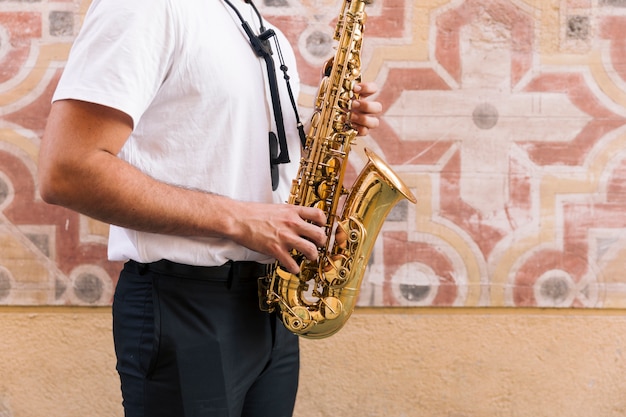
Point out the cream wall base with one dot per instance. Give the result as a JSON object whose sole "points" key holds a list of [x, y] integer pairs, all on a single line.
{"points": [[418, 362]]}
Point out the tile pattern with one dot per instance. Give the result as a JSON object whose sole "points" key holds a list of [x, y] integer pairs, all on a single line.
{"points": [[507, 118], [48, 255]]}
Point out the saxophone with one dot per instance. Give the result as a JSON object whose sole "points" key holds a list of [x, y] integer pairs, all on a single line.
{"points": [[318, 301]]}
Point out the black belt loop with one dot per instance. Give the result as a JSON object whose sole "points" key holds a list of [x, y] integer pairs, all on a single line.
{"points": [[142, 269], [231, 273]]}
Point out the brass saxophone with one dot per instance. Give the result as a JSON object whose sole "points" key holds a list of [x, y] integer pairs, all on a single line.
{"points": [[318, 301]]}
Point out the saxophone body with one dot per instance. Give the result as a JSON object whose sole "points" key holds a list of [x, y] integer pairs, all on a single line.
{"points": [[318, 301]]}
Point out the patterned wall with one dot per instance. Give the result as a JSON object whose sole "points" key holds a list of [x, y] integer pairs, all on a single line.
{"points": [[506, 118], [48, 255]]}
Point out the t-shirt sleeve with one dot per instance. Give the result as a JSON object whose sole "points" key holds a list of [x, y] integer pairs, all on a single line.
{"points": [[121, 56]]}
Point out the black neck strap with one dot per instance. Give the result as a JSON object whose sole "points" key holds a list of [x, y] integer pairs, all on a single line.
{"points": [[261, 47]]}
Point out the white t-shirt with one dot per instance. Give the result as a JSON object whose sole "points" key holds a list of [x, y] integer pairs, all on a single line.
{"points": [[186, 74]]}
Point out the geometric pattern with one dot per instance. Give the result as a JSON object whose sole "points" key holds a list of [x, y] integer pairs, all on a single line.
{"points": [[507, 119], [48, 255]]}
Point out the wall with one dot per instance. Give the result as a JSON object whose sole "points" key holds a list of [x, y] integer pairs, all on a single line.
{"points": [[392, 363], [500, 293]]}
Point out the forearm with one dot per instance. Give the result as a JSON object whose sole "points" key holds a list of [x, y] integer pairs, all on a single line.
{"points": [[79, 169], [110, 190]]}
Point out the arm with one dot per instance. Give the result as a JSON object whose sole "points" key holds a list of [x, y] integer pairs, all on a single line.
{"points": [[79, 169]]}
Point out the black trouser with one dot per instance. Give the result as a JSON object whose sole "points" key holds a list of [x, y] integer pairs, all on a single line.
{"points": [[199, 347]]}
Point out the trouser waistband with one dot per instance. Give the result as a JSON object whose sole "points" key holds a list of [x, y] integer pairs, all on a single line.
{"points": [[232, 269]]}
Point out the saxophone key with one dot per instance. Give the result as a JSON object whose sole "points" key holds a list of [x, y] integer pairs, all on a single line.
{"points": [[332, 307]]}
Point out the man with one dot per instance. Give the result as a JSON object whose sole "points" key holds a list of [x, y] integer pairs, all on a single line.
{"points": [[159, 127]]}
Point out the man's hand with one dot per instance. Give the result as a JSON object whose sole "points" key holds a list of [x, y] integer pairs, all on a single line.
{"points": [[277, 229], [365, 113]]}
